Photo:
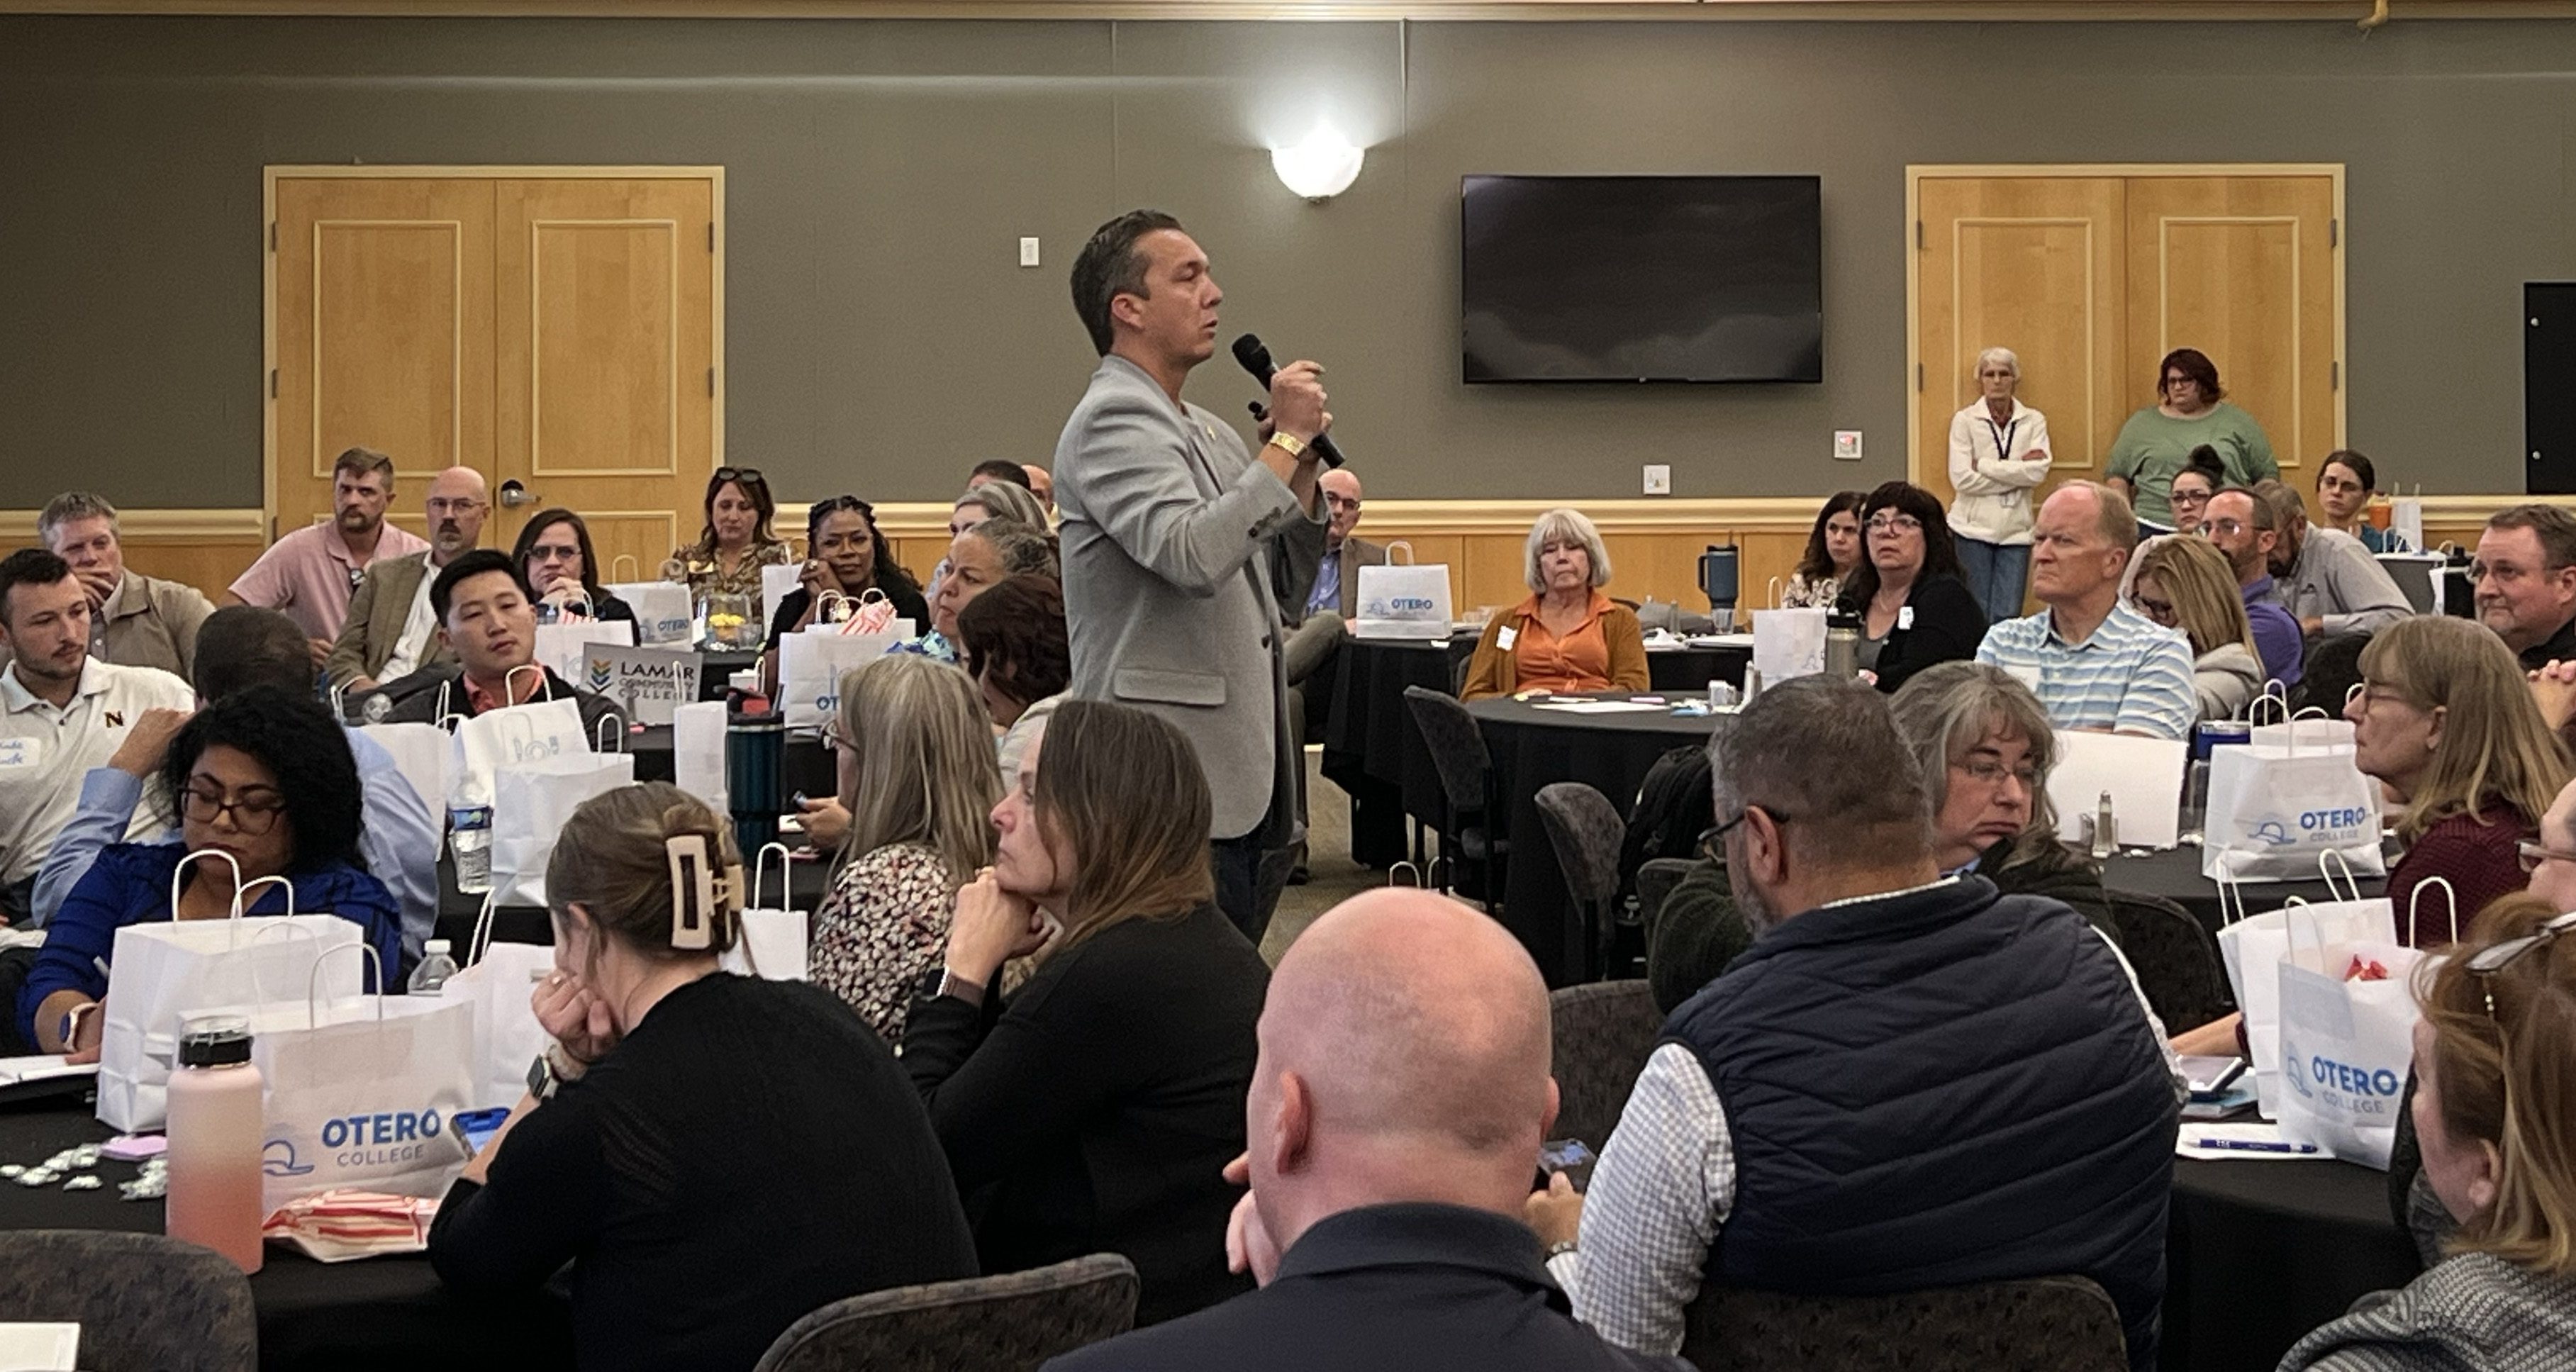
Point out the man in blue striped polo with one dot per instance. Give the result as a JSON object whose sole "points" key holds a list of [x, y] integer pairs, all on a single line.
{"points": [[2094, 662]]}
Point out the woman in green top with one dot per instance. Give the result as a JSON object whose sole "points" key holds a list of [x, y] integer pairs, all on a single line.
{"points": [[2157, 441]]}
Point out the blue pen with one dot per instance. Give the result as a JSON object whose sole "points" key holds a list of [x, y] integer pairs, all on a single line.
{"points": [[2254, 1146]]}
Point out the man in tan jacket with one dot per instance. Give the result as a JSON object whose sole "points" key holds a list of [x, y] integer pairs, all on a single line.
{"points": [[135, 620]]}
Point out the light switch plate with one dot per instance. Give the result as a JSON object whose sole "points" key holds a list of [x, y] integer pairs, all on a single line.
{"points": [[1659, 479], [1028, 252], [1847, 445]]}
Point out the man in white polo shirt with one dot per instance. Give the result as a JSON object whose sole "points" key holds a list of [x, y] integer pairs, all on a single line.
{"points": [[2093, 662], [61, 712]]}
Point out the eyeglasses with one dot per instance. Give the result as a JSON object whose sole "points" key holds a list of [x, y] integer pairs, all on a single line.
{"points": [[748, 476], [439, 505], [1710, 839], [253, 813], [2506, 571], [2191, 497], [2534, 854], [2161, 611], [2496, 957], [1895, 524], [836, 740], [1986, 771]]}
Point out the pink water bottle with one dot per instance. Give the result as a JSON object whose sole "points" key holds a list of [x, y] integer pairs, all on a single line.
{"points": [[217, 1129]]}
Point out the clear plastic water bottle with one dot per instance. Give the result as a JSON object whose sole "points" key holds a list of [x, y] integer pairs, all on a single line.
{"points": [[434, 969], [2195, 803], [470, 840]]}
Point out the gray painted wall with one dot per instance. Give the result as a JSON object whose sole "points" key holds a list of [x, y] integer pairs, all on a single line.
{"points": [[881, 338]]}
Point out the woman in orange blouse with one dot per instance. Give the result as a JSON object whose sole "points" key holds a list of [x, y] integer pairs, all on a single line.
{"points": [[1568, 636]]}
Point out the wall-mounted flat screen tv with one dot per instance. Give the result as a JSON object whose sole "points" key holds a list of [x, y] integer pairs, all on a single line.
{"points": [[1641, 278]]}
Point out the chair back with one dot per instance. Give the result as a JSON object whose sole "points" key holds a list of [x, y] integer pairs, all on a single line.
{"points": [[1656, 880], [144, 1303], [1602, 1034], [1457, 748], [2038, 1324], [2175, 957], [1006, 1323], [1585, 830]]}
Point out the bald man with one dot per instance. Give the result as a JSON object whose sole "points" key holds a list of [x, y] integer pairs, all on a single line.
{"points": [[1041, 484], [390, 632], [1395, 1119]]}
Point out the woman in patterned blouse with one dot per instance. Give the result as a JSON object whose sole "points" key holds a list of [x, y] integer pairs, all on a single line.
{"points": [[736, 543], [917, 776]]}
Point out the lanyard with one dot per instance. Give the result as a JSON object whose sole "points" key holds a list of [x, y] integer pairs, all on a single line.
{"points": [[2003, 435]]}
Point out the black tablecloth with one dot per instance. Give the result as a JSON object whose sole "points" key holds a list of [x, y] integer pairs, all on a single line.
{"points": [[457, 911], [808, 763], [379, 1313], [2175, 875], [2259, 1253], [1533, 747]]}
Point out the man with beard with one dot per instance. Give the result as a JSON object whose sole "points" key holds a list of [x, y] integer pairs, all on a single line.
{"points": [[2009, 1111], [392, 631], [61, 712], [311, 572]]}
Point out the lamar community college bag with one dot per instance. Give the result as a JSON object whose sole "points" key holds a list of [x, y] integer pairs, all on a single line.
{"points": [[166, 970], [1402, 600], [2276, 811]]}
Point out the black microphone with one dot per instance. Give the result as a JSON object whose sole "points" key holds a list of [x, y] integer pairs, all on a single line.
{"points": [[1256, 360]]}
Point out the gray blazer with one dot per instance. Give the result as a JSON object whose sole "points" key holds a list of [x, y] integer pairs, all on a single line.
{"points": [[1166, 523]]}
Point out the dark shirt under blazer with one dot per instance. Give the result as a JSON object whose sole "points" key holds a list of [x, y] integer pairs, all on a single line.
{"points": [[1096, 1109], [1411, 1287]]}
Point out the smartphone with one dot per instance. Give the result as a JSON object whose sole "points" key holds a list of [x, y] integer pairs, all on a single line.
{"points": [[1569, 1156], [2210, 1076], [476, 1127]]}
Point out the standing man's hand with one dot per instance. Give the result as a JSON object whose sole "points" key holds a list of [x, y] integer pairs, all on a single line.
{"points": [[1297, 401]]}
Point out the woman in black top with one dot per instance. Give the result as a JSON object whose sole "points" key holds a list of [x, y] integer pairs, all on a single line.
{"points": [[845, 553], [555, 556], [1097, 1107], [723, 1155], [1914, 608]]}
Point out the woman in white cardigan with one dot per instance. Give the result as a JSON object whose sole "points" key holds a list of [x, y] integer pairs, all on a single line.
{"points": [[1998, 452]]}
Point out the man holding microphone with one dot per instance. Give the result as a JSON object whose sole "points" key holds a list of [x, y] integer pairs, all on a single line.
{"points": [[1167, 530]]}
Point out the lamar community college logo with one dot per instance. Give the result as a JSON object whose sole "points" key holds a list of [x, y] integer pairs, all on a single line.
{"points": [[601, 675]]}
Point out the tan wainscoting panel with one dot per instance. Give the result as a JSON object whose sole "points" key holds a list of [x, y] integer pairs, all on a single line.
{"points": [[204, 548]]}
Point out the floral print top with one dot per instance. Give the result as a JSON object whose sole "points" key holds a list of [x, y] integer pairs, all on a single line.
{"points": [[704, 572], [882, 926]]}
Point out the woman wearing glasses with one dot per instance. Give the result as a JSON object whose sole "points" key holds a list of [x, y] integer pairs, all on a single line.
{"points": [[1986, 747], [2185, 583], [1998, 454], [1914, 609], [264, 778], [845, 556], [2191, 409], [736, 543], [2446, 723], [2498, 1133], [2202, 476], [554, 554]]}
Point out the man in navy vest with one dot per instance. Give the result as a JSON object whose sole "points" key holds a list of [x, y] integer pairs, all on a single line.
{"points": [[1908, 1081]]}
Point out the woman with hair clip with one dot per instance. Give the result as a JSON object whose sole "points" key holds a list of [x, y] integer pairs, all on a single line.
{"points": [[1097, 1107], [2495, 1114], [918, 785], [715, 1155]]}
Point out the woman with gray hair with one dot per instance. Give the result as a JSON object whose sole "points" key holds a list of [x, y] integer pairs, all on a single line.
{"points": [[1998, 453], [1567, 636], [1986, 748]]}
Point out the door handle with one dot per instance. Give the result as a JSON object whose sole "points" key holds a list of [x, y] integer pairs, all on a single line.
{"points": [[514, 495]]}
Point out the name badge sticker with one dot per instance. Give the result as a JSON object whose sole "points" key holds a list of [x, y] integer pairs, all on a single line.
{"points": [[1506, 638], [16, 753], [1905, 617]]}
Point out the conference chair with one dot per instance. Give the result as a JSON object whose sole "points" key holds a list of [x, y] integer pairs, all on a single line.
{"points": [[2040, 1324], [1006, 1323], [1466, 771], [1656, 878], [144, 1303], [1602, 1033], [2175, 957], [1584, 829]]}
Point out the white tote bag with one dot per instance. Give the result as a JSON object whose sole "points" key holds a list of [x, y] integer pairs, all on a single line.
{"points": [[1401, 600], [665, 614], [357, 1092], [776, 584], [2347, 1041], [532, 801], [420, 754], [2253, 947], [1788, 643], [166, 970], [515, 734], [2277, 810], [560, 645], [496, 985], [773, 942], [810, 667]]}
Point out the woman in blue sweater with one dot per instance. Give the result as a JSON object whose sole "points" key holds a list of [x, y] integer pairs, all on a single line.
{"points": [[264, 777]]}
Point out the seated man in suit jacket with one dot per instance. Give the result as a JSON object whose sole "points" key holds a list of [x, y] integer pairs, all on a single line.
{"points": [[1167, 524], [391, 632], [1398, 1104]]}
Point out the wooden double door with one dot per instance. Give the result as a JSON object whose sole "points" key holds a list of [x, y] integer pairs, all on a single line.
{"points": [[2092, 275], [557, 328]]}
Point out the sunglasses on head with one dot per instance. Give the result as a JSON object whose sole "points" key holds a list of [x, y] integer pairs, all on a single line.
{"points": [[749, 476]]}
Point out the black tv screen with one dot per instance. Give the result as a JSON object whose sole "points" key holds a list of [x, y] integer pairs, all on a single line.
{"points": [[1642, 278]]}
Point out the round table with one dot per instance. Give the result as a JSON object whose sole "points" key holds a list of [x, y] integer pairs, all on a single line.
{"points": [[1533, 746], [2174, 874], [2259, 1253], [378, 1313]]}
